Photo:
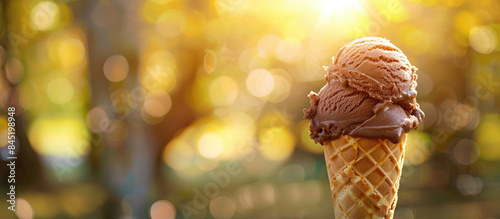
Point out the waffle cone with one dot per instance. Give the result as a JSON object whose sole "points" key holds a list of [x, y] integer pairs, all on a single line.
{"points": [[364, 176]]}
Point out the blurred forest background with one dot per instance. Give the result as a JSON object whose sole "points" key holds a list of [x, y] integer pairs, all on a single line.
{"points": [[193, 109]]}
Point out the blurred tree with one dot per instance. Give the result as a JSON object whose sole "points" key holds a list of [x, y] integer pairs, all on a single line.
{"points": [[126, 166]]}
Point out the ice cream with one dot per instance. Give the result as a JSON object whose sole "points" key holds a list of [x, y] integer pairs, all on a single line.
{"points": [[370, 92], [361, 117]]}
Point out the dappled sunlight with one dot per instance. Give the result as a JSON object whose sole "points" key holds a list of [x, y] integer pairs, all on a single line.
{"points": [[194, 109]]}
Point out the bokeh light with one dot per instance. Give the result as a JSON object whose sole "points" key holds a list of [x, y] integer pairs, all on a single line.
{"points": [[289, 50], [307, 142], [45, 15], [222, 207], [178, 155], [210, 145], [210, 61], [162, 209], [60, 91], [134, 109], [469, 185], [157, 103], [71, 52], [282, 86], [159, 72], [171, 23], [223, 91], [69, 131], [465, 152], [116, 68], [97, 120], [23, 209], [483, 39], [487, 136], [419, 147], [307, 69], [260, 82], [277, 143]]}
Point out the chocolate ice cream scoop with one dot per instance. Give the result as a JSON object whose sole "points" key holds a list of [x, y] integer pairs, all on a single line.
{"points": [[377, 67], [370, 92]]}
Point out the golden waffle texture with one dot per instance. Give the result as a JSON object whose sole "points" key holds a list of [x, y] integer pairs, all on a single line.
{"points": [[364, 176]]}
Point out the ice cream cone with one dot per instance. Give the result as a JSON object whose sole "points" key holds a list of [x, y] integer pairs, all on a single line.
{"points": [[364, 175], [370, 93]]}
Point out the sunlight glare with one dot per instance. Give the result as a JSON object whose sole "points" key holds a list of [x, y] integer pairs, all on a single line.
{"points": [[337, 8]]}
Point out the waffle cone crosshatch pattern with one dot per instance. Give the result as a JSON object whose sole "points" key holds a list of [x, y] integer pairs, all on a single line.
{"points": [[364, 176], [272, 109]]}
